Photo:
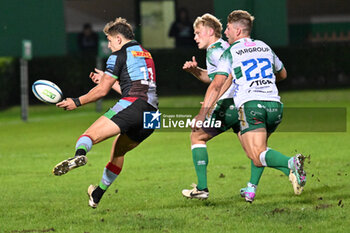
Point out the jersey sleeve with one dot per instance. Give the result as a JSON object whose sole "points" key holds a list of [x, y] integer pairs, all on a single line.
{"points": [[225, 62], [277, 64], [213, 57], [112, 69]]}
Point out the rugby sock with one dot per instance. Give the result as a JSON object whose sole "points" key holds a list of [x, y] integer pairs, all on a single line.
{"points": [[283, 169], [110, 173], [272, 158], [83, 145], [200, 161], [97, 194], [255, 173]]}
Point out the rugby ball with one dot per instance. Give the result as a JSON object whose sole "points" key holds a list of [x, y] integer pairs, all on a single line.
{"points": [[47, 91]]}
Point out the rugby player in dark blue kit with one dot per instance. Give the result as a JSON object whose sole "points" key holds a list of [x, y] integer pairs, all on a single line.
{"points": [[129, 70]]}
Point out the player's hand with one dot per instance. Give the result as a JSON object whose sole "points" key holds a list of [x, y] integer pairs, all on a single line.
{"points": [[198, 118], [96, 77], [67, 104], [190, 66]]}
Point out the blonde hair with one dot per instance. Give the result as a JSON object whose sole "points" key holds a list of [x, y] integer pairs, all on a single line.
{"points": [[243, 18], [119, 26], [209, 21]]}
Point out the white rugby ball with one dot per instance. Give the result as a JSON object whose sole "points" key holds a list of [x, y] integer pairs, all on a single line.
{"points": [[47, 91]]}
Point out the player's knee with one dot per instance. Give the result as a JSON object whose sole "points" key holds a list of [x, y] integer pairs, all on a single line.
{"points": [[118, 154], [91, 136], [199, 137], [257, 162], [95, 139], [121, 149], [194, 138], [255, 157]]}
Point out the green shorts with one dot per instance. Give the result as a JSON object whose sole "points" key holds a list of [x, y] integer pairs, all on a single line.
{"points": [[260, 114], [226, 112]]}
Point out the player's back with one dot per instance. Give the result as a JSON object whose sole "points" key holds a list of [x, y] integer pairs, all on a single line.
{"points": [[252, 65], [135, 69]]}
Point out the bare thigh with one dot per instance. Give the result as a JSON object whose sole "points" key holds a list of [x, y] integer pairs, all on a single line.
{"points": [[102, 129], [121, 145], [200, 137], [254, 142]]}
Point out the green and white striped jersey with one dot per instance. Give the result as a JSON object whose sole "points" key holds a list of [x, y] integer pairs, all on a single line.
{"points": [[253, 65], [214, 52]]}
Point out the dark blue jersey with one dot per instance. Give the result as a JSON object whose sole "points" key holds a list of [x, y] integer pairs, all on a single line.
{"points": [[133, 66]]}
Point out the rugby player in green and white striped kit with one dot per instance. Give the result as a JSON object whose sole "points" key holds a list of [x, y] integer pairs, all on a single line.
{"points": [[207, 30], [254, 69]]}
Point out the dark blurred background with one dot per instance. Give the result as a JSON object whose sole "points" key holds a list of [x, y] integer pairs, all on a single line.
{"points": [[312, 38]]}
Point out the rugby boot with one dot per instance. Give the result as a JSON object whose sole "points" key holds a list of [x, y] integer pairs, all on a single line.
{"points": [[69, 164], [296, 164], [248, 192], [92, 203], [293, 179], [196, 193]]}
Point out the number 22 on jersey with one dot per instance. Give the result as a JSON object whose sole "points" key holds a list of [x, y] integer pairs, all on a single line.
{"points": [[256, 68]]}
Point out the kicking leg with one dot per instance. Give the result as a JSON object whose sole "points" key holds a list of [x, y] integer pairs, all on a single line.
{"points": [[256, 173], [100, 130], [263, 156]]}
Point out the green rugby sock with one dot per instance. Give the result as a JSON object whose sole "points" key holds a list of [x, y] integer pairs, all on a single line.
{"points": [[200, 161], [255, 173], [275, 159], [283, 169]]}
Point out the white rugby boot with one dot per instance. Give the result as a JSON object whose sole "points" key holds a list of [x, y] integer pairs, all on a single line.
{"points": [[195, 193], [69, 164]]}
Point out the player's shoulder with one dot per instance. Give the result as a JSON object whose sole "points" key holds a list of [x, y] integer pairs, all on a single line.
{"points": [[128, 47], [112, 59], [247, 45], [117, 56], [216, 49], [219, 45], [261, 43], [137, 50], [227, 54]]}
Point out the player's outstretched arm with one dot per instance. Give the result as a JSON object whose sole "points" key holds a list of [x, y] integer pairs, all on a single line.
{"points": [[99, 91], [96, 77], [211, 96], [94, 94], [225, 86], [192, 68]]}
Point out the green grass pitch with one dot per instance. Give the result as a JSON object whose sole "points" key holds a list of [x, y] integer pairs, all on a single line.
{"points": [[146, 197]]}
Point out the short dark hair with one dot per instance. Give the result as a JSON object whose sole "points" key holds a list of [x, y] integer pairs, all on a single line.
{"points": [[119, 26], [243, 18]]}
